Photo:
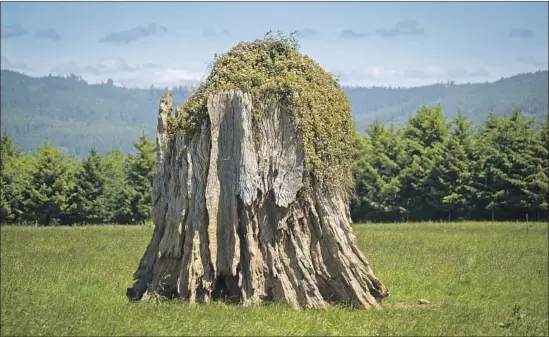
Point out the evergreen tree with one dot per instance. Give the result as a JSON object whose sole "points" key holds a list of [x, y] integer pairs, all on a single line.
{"points": [[450, 186], [115, 187], [376, 175], [363, 174], [8, 155], [14, 182], [423, 140], [89, 199], [52, 181], [488, 177], [506, 166], [538, 181], [140, 171], [124, 205]]}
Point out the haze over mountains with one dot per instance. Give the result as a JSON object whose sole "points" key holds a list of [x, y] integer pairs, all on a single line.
{"points": [[75, 115]]}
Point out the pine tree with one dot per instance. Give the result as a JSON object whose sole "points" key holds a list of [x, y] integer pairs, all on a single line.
{"points": [[52, 181], [14, 182], [8, 155], [358, 205], [490, 178], [376, 176], [124, 210], [125, 196], [140, 171], [423, 139], [89, 199], [116, 187], [538, 181], [450, 186], [507, 166]]}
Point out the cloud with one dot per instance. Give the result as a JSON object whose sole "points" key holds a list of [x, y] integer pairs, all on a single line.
{"points": [[130, 35], [212, 32], [6, 64], [522, 33], [352, 35], [530, 60], [307, 33], [128, 75], [402, 28], [168, 77], [11, 31], [429, 72], [48, 34], [106, 66]]}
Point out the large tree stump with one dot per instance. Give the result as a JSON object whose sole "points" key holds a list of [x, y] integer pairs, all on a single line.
{"points": [[235, 219]]}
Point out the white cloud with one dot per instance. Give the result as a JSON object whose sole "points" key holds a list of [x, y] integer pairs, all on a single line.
{"points": [[107, 66], [129, 75], [164, 77], [431, 72]]}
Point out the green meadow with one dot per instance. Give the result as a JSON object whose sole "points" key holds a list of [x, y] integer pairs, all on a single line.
{"points": [[481, 278]]}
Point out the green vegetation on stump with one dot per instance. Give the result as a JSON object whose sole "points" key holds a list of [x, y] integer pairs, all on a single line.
{"points": [[321, 111]]}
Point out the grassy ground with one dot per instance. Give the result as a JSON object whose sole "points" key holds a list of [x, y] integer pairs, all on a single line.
{"points": [[72, 281]]}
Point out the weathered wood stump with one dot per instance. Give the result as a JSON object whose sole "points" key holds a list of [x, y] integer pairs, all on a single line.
{"points": [[237, 218]]}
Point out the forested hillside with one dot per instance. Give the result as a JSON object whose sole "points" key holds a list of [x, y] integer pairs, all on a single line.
{"points": [[528, 92], [75, 115]]}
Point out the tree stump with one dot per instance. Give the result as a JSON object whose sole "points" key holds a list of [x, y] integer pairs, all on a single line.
{"points": [[236, 216]]}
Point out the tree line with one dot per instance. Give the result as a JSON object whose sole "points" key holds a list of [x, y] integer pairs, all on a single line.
{"points": [[427, 169], [48, 187], [431, 169]]}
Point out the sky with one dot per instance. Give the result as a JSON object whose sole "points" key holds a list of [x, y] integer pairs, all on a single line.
{"points": [[139, 44]]}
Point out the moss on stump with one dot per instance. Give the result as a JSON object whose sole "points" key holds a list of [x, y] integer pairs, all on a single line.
{"points": [[320, 109]]}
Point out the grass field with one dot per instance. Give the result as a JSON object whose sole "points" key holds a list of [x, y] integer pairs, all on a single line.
{"points": [[72, 281]]}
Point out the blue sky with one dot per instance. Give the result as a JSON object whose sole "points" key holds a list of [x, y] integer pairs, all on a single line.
{"points": [[366, 43]]}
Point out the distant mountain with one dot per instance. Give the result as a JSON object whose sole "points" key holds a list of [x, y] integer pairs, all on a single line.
{"points": [[75, 115], [529, 92]]}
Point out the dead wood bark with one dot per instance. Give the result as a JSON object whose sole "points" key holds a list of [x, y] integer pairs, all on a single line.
{"points": [[234, 218]]}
